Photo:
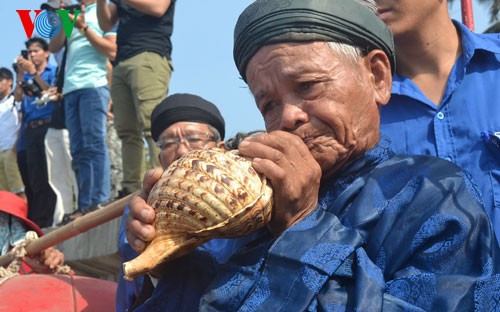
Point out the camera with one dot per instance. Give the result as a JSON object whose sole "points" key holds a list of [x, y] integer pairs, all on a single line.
{"points": [[24, 54], [69, 7], [31, 88], [73, 7]]}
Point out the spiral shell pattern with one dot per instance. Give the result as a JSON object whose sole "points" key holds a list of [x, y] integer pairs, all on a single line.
{"points": [[205, 194]]}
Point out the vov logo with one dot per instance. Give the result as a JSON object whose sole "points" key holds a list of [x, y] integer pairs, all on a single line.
{"points": [[48, 24]]}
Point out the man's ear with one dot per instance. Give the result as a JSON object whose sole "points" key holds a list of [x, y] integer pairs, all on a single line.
{"points": [[380, 71], [221, 144]]}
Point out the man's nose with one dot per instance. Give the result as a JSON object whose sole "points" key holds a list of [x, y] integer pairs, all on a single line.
{"points": [[292, 117], [182, 149]]}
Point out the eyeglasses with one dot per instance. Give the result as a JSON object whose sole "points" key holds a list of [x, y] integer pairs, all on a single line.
{"points": [[191, 141]]}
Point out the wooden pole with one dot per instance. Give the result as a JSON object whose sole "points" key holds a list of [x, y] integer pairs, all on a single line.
{"points": [[78, 226], [467, 14]]}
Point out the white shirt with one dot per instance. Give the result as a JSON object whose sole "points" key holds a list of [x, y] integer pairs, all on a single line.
{"points": [[9, 123]]}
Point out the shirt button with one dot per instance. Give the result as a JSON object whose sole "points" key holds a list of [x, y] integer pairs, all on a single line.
{"points": [[440, 115]]}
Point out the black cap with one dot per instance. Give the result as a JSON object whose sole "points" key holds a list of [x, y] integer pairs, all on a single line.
{"points": [[185, 107], [266, 22]]}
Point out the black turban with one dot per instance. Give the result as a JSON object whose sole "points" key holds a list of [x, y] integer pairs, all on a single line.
{"points": [[267, 22], [185, 107]]}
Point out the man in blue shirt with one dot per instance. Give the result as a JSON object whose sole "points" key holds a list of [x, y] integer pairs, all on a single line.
{"points": [[353, 227], [445, 93], [34, 75]]}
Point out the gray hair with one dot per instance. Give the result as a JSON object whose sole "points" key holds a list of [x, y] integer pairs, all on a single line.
{"points": [[217, 137], [349, 52]]}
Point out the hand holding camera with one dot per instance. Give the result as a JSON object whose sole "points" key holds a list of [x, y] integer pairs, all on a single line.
{"points": [[25, 56], [24, 64], [80, 18], [48, 96], [32, 88]]}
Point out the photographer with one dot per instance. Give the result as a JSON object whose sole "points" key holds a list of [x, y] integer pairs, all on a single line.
{"points": [[34, 75]]}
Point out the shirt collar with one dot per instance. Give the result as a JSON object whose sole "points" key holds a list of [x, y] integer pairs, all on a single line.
{"points": [[471, 42], [356, 168]]}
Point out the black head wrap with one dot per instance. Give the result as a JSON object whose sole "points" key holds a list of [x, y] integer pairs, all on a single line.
{"points": [[185, 107], [267, 22]]}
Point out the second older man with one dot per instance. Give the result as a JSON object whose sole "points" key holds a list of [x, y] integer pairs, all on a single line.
{"points": [[180, 123]]}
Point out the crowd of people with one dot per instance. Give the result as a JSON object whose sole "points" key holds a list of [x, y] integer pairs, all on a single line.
{"points": [[58, 121], [61, 120], [381, 147]]}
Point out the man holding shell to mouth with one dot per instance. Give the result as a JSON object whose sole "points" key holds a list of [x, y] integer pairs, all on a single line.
{"points": [[354, 226]]}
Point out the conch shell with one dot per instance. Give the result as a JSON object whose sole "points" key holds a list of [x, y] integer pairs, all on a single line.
{"points": [[205, 194]]}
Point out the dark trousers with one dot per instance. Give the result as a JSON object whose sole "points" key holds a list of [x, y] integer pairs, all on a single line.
{"points": [[42, 205], [23, 170]]}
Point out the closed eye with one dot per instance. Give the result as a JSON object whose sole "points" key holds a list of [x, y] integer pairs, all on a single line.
{"points": [[309, 90], [304, 86], [194, 140], [267, 107]]}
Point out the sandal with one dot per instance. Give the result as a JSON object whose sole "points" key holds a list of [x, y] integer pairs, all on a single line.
{"points": [[69, 217]]}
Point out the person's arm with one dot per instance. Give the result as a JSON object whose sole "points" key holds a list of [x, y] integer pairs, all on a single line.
{"points": [[42, 83], [107, 15], [45, 262], [109, 76], [28, 67], [104, 45], [18, 91], [57, 43], [150, 7]]}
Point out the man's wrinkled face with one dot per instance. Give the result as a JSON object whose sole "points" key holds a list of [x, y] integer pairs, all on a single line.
{"points": [[325, 99], [191, 135]]}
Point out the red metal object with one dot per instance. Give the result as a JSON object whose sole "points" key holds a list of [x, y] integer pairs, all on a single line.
{"points": [[65, 293], [467, 14]]}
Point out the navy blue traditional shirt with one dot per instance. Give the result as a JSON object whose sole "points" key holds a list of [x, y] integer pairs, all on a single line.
{"points": [[390, 233], [465, 127]]}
